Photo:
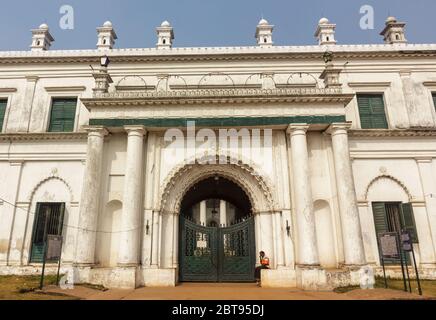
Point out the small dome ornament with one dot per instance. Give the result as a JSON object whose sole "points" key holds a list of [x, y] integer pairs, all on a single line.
{"points": [[107, 24], [165, 24], [44, 26], [263, 22], [324, 21], [391, 20]]}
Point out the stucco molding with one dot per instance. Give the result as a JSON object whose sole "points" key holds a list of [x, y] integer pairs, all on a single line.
{"points": [[387, 176], [32, 136], [367, 51], [178, 182], [218, 96], [427, 132], [53, 176]]}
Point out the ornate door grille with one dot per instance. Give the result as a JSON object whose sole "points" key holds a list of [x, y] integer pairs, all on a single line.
{"points": [[210, 254]]}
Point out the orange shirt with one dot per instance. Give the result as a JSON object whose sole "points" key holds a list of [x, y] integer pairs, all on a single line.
{"points": [[264, 261]]}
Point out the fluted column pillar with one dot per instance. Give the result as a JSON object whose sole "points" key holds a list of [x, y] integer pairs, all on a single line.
{"points": [[306, 232], [89, 201], [128, 254], [203, 213], [350, 221], [223, 213]]}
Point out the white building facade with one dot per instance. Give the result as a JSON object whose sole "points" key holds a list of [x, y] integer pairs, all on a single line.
{"points": [[84, 153]]}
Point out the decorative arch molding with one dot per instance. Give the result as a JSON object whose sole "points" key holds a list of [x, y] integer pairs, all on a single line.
{"points": [[47, 179], [291, 79], [203, 80], [186, 175], [140, 84], [389, 177]]}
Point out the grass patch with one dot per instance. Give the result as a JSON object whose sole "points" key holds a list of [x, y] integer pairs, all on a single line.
{"points": [[26, 288]]}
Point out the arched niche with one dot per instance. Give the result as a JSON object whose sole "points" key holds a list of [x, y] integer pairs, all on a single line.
{"points": [[108, 232], [325, 234]]}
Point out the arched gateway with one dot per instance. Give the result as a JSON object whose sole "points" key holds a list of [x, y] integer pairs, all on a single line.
{"points": [[225, 215]]}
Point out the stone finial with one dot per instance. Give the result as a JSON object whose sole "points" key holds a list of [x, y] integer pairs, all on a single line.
{"points": [[41, 38], [165, 36], [394, 31], [264, 32], [325, 33], [330, 75], [106, 36], [102, 80]]}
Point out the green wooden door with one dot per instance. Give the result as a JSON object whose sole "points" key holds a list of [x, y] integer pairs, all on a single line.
{"points": [[198, 252], [210, 254], [48, 220], [394, 217]]}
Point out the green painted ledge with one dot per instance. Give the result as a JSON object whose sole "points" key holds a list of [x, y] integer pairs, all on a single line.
{"points": [[217, 122]]}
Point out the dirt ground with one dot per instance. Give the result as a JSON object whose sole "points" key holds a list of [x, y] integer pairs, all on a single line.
{"points": [[26, 288], [192, 291]]}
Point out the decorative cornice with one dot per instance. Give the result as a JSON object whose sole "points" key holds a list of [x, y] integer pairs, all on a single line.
{"points": [[392, 133], [370, 51], [222, 96], [43, 136]]}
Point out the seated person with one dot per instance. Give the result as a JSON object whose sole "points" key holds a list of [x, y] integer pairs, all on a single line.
{"points": [[264, 264]]}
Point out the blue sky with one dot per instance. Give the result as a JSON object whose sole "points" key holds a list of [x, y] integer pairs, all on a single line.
{"points": [[209, 23]]}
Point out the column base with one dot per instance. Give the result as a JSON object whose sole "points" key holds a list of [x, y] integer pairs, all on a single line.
{"points": [[278, 278], [117, 277], [319, 279], [154, 277]]}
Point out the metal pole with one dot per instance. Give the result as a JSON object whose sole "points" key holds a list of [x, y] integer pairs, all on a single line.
{"points": [[41, 283], [407, 272], [402, 265], [383, 263], [59, 263], [384, 271], [416, 271]]}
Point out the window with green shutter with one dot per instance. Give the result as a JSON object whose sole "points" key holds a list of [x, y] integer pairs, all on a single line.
{"points": [[3, 105], [372, 111], [63, 113]]}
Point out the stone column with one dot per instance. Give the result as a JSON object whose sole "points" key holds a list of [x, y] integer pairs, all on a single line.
{"points": [[203, 212], [89, 201], [223, 213], [306, 233], [128, 254], [351, 230]]}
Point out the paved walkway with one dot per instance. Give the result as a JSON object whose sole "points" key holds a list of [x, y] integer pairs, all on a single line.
{"points": [[193, 291]]}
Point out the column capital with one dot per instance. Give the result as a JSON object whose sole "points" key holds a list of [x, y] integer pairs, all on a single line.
{"points": [[139, 129], [100, 130], [297, 128], [338, 128]]}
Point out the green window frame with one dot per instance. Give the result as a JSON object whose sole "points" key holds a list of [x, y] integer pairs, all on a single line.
{"points": [[3, 106], [62, 115], [372, 111]]}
